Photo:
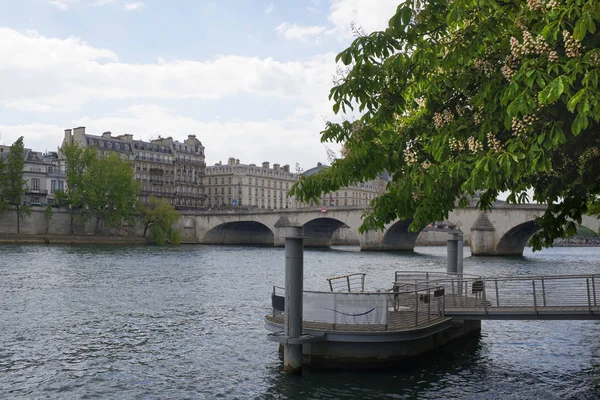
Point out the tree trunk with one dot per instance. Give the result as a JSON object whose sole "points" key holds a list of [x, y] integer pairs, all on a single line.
{"points": [[72, 211], [18, 220]]}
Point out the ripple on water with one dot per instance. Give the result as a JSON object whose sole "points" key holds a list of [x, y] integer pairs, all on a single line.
{"points": [[140, 322]]}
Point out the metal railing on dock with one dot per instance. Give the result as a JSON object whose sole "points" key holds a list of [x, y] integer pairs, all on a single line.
{"points": [[347, 283], [552, 297], [367, 311]]}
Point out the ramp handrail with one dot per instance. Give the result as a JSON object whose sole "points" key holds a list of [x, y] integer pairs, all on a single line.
{"points": [[523, 291]]}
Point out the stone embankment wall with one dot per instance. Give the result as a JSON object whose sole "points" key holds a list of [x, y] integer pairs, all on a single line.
{"points": [[36, 228]]}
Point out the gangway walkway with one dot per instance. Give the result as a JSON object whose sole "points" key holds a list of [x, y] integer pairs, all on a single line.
{"points": [[562, 297]]}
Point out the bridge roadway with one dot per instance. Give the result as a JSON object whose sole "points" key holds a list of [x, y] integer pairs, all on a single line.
{"points": [[504, 230]]}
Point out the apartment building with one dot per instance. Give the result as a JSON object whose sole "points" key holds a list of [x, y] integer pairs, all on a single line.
{"points": [[359, 194], [41, 174], [249, 185], [165, 168]]}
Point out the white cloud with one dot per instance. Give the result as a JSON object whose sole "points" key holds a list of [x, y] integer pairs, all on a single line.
{"points": [[57, 77], [302, 33], [367, 14], [66, 4], [286, 141], [48, 74], [314, 6], [270, 8], [132, 6], [62, 4]]}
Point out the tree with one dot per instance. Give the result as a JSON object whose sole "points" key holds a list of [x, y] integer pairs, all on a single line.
{"points": [[110, 190], [158, 216], [48, 213], [102, 186], [3, 201], [13, 184], [77, 159], [467, 99]]}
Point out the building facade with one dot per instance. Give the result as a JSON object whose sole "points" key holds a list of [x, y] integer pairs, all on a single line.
{"points": [[250, 186], [237, 185], [359, 194], [41, 174], [164, 167]]}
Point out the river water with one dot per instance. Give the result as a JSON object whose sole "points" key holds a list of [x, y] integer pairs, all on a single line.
{"points": [[187, 322]]}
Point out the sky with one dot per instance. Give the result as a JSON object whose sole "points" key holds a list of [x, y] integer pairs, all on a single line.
{"points": [[249, 78]]}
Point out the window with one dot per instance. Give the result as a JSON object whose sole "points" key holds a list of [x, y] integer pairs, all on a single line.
{"points": [[53, 186], [50, 170], [35, 184]]}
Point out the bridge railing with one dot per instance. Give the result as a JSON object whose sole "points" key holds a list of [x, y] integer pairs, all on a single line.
{"points": [[536, 292]]}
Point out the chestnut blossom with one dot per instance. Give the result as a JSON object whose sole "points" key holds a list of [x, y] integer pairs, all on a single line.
{"points": [[474, 144], [493, 143], [572, 47], [520, 126]]}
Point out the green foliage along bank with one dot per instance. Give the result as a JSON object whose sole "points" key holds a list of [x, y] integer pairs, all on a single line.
{"points": [[158, 217], [102, 186], [12, 184], [468, 99]]}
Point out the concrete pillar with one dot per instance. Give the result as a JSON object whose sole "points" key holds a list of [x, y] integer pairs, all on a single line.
{"points": [[452, 255], [294, 272], [459, 255]]}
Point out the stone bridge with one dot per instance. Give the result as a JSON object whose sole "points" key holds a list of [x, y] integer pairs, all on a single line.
{"points": [[504, 230]]}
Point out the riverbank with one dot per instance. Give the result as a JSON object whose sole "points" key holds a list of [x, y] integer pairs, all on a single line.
{"points": [[70, 239]]}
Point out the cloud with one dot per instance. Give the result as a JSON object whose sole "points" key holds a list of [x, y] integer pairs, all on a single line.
{"points": [[56, 78], [270, 8], [49, 74], [314, 6], [299, 136], [66, 4], [303, 33], [62, 4], [366, 14], [132, 6]]}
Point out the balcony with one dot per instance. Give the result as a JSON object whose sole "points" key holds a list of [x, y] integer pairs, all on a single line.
{"points": [[152, 159], [36, 191]]}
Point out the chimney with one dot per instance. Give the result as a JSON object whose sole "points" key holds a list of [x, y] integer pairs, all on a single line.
{"points": [[68, 135], [127, 137], [276, 167], [191, 140], [265, 164], [231, 161], [107, 135], [286, 168], [79, 134]]}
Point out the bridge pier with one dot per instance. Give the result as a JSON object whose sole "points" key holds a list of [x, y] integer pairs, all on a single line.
{"points": [[483, 237]]}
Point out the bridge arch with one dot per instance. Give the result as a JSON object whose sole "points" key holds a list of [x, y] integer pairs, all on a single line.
{"points": [[319, 231], [397, 237], [513, 242], [240, 232]]}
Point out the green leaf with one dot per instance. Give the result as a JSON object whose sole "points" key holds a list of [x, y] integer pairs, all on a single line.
{"points": [[552, 91], [580, 29]]}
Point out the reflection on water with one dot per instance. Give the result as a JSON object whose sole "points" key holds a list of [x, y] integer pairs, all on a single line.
{"points": [[114, 322]]}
